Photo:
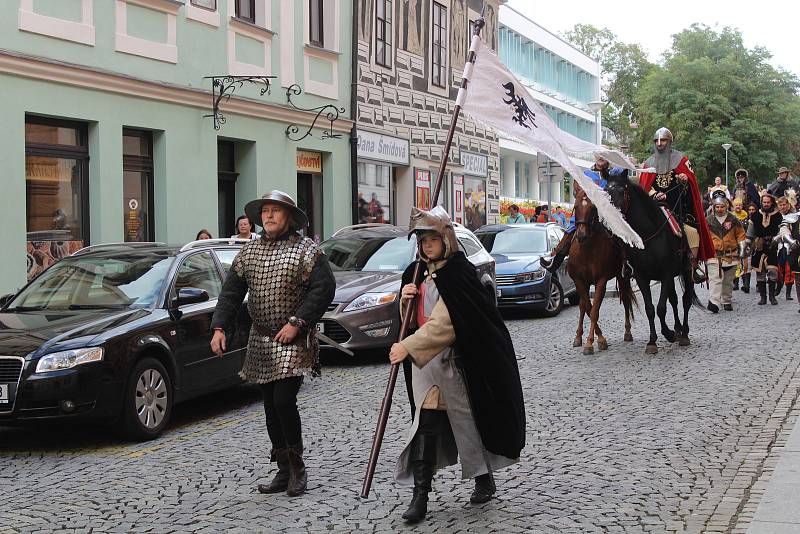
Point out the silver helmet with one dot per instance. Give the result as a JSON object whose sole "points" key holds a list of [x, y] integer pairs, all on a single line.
{"points": [[662, 133], [436, 220]]}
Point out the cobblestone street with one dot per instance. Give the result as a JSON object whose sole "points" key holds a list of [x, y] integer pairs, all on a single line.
{"points": [[682, 441]]}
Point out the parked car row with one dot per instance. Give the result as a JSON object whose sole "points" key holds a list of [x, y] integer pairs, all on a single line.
{"points": [[120, 332]]}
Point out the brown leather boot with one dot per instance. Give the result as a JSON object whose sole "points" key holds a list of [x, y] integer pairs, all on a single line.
{"points": [[298, 479], [746, 283], [771, 292], [762, 292], [281, 480]]}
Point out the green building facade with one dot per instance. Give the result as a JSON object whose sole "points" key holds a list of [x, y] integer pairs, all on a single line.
{"points": [[109, 130]]}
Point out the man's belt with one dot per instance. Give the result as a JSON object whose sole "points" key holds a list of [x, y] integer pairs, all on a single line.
{"points": [[265, 331]]}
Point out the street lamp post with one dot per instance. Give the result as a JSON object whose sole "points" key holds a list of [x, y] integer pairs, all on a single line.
{"points": [[596, 106], [726, 146]]}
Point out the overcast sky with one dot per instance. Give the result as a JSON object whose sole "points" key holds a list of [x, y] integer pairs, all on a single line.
{"points": [[774, 24]]}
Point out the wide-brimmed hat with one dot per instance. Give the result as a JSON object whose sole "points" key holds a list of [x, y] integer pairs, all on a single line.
{"points": [[783, 169], [253, 208]]}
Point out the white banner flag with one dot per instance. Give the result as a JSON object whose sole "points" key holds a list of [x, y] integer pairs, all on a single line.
{"points": [[496, 98]]}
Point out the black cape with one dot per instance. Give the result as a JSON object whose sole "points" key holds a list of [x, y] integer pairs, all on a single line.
{"points": [[486, 355]]}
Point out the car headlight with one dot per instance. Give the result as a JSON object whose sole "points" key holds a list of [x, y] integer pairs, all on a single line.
{"points": [[370, 300], [533, 276], [68, 359]]}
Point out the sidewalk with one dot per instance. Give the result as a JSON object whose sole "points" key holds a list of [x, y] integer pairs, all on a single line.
{"points": [[779, 509]]}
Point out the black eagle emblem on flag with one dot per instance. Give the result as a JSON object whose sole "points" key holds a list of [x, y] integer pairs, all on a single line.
{"points": [[522, 113]]}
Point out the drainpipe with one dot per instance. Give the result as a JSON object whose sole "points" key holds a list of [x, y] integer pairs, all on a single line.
{"points": [[354, 115]]}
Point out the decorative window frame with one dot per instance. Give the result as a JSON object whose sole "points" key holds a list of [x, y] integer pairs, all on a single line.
{"points": [[205, 16], [330, 53], [259, 31], [128, 44], [374, 65], [433, 88], [78, 32]]}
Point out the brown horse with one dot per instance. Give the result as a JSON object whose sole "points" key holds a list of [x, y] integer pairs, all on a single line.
{"points": [[594, 259]]}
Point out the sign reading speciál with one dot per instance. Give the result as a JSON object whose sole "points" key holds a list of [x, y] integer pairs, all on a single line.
{"points": [[474, 164]]}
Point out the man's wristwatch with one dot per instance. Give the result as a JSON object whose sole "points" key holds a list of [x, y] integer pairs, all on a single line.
{"points": [[297, 322]]}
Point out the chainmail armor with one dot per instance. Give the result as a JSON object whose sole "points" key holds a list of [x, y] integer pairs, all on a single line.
{"points": [[277, 273]]}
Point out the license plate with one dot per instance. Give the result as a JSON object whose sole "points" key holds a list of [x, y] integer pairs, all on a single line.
{"points": [[4, 394], [499, 293], [321, 328]]}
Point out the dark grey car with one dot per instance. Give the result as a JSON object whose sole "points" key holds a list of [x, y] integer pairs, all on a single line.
{"points": [[368, 261]]}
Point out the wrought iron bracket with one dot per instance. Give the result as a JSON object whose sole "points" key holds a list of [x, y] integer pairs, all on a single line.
{"points": [[330, 111], [225, 86]]}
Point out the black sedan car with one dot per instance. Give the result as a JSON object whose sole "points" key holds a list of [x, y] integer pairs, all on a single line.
{"points": [[117, 333], [522, 283], [368, 261]]}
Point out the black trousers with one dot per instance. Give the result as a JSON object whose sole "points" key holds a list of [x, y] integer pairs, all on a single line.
{"points": [[280, 407]]}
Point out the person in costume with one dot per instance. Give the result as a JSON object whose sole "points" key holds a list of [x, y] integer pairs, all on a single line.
{"points": [[785, 275], [761, 233], [289, 284], [599, 175], [789, 238], [743, 269], [718, 186], [729, 245], [674, 185], [782, 183], [744, 189], [465, 384]]}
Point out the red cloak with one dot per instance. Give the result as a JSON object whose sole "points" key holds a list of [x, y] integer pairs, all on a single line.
{"points": [[706, 250]]}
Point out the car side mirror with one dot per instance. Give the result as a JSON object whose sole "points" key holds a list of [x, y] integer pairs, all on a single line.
{"points": [[190, 295], [5, 299]]}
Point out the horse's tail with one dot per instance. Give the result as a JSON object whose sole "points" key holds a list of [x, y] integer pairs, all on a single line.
{"points": [[626, 296], [687, 278]]}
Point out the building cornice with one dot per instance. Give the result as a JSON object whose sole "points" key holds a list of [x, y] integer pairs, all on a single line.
{"points": [[37, 68]]}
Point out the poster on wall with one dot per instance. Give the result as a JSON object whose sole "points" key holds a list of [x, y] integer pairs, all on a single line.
{"points": [[458, 199], [422, 188], [374, 193], [474, 202]]}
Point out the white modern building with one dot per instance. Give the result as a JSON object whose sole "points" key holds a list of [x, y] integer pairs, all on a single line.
{"points": [[564, 81]]}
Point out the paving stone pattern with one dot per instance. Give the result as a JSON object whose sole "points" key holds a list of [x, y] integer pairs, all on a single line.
{"points": [[617, 442]]}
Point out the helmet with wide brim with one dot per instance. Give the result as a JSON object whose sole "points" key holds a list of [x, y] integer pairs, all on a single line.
{"points": [[253, 208]]}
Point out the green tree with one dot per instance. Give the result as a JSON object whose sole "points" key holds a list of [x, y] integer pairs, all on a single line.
{"points": [[712, 90], [623, 67]]}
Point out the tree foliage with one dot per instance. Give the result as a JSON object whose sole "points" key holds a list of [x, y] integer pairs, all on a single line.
{"points": [[709, 89]]}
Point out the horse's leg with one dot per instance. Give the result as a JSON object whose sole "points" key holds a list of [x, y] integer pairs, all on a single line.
{"points": [[625, 286], [667, 288], [599, 294], [688, 298], [583, 305], [673, 301], [647, 296]]}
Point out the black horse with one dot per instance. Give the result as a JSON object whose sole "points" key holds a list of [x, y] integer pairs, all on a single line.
{"points": [[665, 256]]}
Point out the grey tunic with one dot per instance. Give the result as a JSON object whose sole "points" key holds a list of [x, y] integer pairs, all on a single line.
{"points": [[461, 439]]}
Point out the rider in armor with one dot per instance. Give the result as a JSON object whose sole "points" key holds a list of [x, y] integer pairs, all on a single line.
{"points": [[674, 185]]}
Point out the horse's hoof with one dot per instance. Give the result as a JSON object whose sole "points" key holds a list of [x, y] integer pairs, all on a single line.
{"points": [[588, 351], [577, 343], [684, 342], [602, 344], [669, 335], [628, 337], [651, 349]]}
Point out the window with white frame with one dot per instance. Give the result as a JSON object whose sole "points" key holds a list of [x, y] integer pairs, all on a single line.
{"points": [[316, 23], [246, 10], [383, 33], [439, 45]]}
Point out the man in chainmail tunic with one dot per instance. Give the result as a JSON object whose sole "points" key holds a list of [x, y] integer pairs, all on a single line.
{"points": [[290, 286]]}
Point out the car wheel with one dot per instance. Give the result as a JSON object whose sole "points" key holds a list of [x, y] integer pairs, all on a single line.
{"points": [[555, 299], [148, 400]]}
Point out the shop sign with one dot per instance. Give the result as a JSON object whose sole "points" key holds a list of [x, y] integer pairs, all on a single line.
{"points": [[475, 164], [383, 148], [309, 161]]}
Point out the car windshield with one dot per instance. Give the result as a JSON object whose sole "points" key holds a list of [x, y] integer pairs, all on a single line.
{"points": [[515, 241], [75, 283], [369, 254]]}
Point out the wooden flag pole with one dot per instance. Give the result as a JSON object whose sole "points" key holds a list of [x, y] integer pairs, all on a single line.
{"points": [[386, 404]]}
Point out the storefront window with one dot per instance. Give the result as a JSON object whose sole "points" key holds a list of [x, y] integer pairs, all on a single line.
{"points": [[374, 193], [56, 186], [137, 185]]}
